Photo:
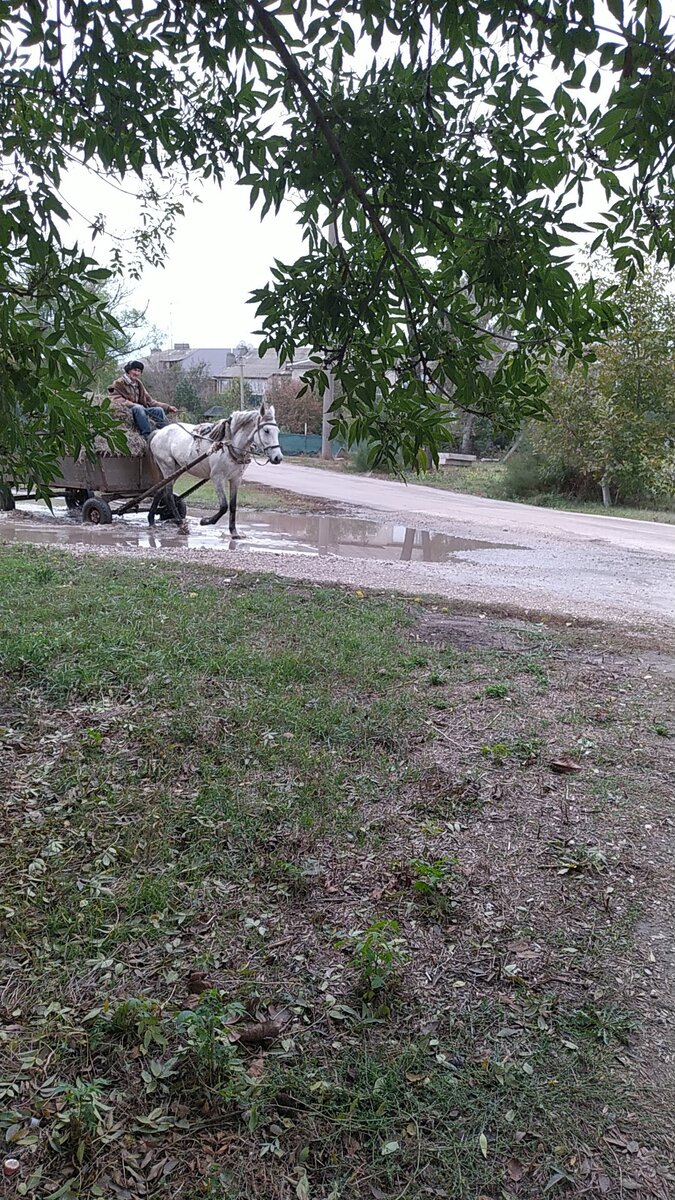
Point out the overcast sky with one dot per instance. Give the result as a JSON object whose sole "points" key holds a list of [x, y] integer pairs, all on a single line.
{"points": [[220, 252]]}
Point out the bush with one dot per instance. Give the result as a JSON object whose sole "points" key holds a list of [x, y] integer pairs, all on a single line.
{"points": [[523, 475], [293, 411], [359, 457], [531, 474]]}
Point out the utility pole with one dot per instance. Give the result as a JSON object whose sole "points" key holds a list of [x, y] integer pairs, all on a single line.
{"points": [[241, 384], [329, 393]]}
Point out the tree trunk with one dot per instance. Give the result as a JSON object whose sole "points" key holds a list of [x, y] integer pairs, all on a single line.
{"points": [[328, 397], [512, 449], [606, 497], [468, 426]]}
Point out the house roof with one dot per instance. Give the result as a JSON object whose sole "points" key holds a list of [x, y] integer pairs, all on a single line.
{"points": [[214, 357], [305, 358], [255, 367]]}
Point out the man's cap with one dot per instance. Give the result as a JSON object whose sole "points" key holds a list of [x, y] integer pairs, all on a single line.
{"points": [[135, 365]]}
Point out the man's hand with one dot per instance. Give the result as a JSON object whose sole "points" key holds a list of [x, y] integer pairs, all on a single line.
{"points": [[170, 409]]}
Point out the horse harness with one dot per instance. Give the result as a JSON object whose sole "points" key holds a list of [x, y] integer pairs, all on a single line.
{"points": [[242, 458]]}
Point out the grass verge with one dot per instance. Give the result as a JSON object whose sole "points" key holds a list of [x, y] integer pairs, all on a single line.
{"points": [[260, 499], [295, 906]]}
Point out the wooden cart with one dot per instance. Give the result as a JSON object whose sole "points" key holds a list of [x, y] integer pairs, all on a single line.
{"points": [[92, 488]]}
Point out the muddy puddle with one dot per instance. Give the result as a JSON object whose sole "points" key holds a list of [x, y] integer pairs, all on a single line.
{"points": [[290, 533]]}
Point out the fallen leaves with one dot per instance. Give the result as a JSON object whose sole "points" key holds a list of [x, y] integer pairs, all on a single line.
{"points": [[565, 766], [197, 983], [260, 1031], [515, 1169]]}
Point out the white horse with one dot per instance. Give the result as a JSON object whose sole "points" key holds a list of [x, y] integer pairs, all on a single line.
{"points": [[229, 444]]}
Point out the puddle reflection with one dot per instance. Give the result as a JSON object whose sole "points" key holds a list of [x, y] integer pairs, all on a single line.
{"points": [[292, 533]]}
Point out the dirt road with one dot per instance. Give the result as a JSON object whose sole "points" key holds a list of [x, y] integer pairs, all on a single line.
{"points": [[541, 559]]}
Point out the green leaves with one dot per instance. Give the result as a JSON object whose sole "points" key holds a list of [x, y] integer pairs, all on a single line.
{"points": [[449, 166]]}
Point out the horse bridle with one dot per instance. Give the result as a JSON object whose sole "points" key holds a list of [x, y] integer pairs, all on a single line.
{"points": [[261, 425]]}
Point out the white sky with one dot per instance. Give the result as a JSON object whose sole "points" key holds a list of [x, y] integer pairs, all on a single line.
{"points": [[221, 251]]}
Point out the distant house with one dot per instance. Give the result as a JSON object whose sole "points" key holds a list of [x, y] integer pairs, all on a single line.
{"points": [[304, 359], [184, 357], [255, 371]]}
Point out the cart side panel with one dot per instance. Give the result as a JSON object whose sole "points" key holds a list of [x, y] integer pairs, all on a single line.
{"points": [[111, 475]]}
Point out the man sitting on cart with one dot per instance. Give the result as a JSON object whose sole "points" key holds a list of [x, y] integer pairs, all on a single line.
{"points": [[129, 389]]}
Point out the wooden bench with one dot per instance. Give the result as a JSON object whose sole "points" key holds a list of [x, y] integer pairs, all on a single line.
{"points": [[457, 460]]}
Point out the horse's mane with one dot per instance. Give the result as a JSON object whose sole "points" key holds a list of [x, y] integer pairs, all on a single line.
{"points": [[213, 430], [248, 416], [217, 431]]}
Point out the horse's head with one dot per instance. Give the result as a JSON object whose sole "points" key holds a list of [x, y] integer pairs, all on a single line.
{"points": [[267, 433]]}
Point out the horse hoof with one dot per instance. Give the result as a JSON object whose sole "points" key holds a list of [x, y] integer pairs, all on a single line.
{"points": [[236, 537], [205, 521]]}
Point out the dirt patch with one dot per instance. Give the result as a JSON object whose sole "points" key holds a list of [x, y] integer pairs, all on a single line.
{"points": [[471, 632]]}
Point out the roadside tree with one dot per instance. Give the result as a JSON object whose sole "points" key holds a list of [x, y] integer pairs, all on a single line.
{"points": [[293, 410], [611, 431]]}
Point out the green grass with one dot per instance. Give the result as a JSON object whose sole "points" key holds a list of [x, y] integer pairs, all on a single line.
{"points": [[221, 800], [489, 479], [259, 499]]}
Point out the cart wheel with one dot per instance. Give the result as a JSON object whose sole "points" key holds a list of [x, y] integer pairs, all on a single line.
{"points": [[76, 498], [164, 513], [6, 498], [96, 512]]}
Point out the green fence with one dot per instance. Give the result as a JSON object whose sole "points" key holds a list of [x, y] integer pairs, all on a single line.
{"points": [[299, 443]]}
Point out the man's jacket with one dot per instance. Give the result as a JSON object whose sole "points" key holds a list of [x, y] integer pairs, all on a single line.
{"points": [[124, 389]]}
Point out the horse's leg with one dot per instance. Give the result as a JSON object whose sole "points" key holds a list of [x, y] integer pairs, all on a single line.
{"points": [[222, 499], [172, 506], [161, 465], [153, 507], [234, 487], [164, 496]]}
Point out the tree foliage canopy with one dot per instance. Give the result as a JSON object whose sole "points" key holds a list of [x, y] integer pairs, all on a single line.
{"points": [[614, 423], [450, 141]]}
